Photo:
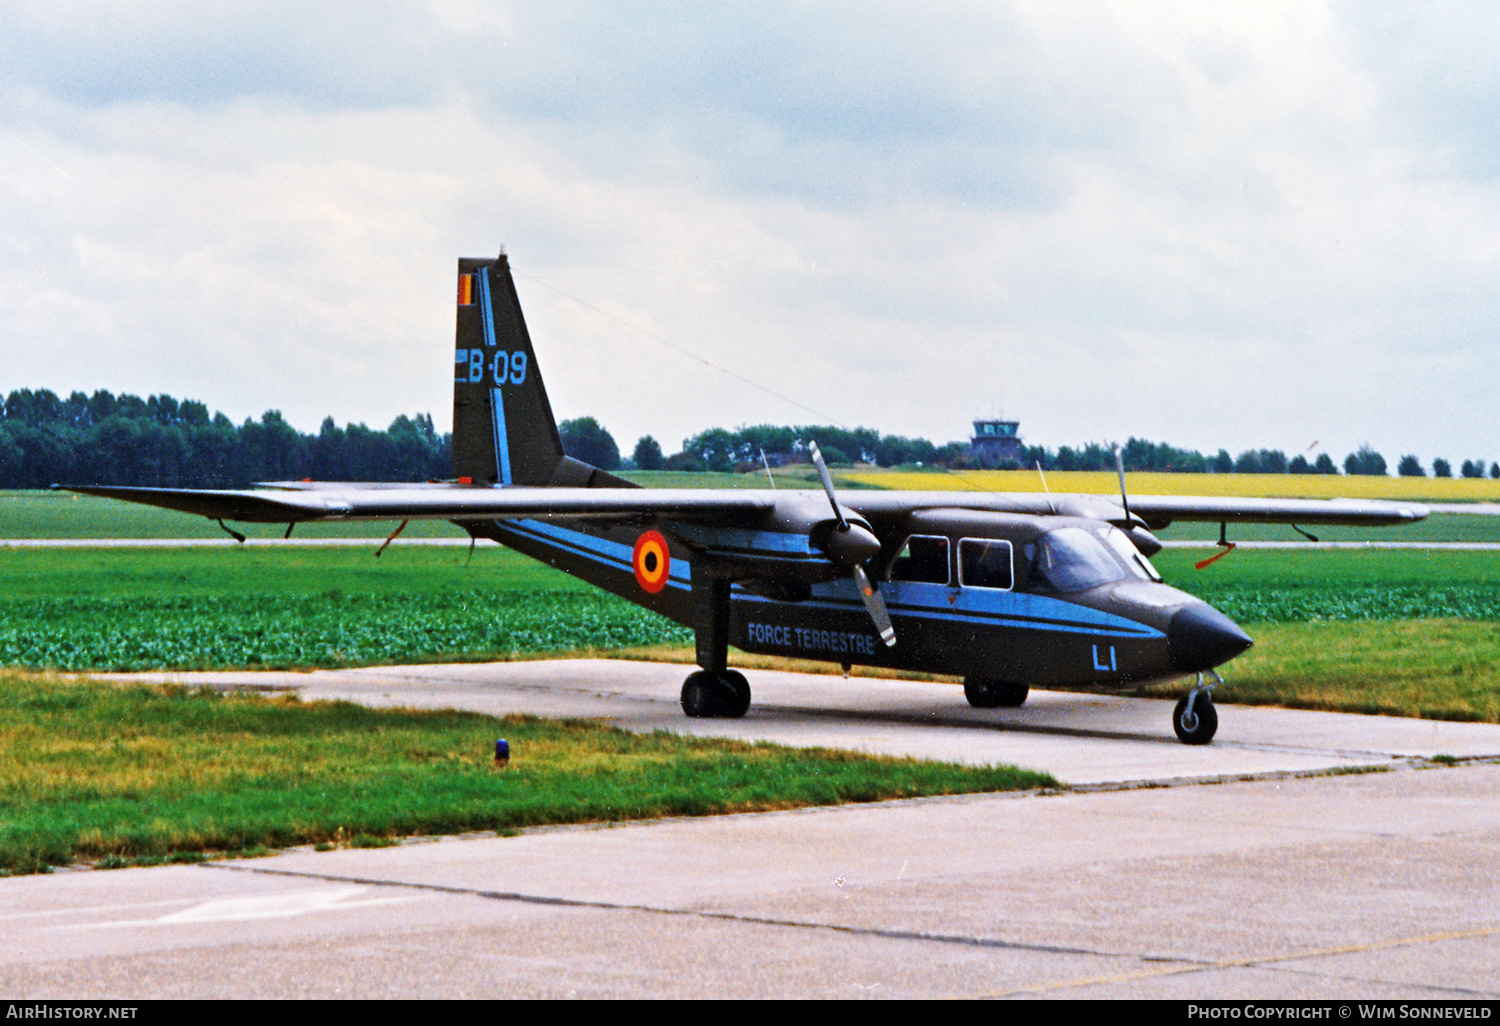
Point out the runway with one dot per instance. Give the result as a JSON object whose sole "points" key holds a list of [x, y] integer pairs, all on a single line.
{"points": [[1142, 881]]}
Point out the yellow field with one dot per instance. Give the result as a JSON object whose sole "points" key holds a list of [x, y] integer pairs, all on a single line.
{"points": [[1280, 486]]}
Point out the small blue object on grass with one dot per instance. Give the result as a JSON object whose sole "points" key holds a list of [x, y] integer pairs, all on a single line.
{"points": [[502, 752]]}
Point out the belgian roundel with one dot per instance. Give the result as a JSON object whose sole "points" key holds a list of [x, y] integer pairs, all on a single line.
{"points": [[651, 561]]}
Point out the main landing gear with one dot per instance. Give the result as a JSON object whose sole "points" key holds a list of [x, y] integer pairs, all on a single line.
{"points": [[984, 693], [716, 694], [1195, 720], [716, 691]]}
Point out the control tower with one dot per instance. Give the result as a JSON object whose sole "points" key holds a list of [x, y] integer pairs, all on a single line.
{"points": [[996, 442]]}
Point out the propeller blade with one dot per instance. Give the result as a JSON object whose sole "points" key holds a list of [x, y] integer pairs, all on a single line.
{"points": [[827, 478], [1120, 466], [876, 605], [861, 545]]}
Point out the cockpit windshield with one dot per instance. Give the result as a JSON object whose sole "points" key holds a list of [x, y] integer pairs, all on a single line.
{"points": [[1075, 559]]}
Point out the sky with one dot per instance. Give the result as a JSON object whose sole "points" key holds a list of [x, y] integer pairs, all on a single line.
{"points": [[1230, 225]]}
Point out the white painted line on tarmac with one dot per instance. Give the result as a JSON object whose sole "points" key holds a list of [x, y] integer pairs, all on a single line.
{"points": [[260, 906]]}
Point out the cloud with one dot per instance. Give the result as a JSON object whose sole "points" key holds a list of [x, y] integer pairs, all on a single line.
{"points": [[1235, 227]]}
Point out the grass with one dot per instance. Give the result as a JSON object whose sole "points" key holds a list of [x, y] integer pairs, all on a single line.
{"points": [[1433, 669], [1314, 569], [147, 775], [293, 570]]}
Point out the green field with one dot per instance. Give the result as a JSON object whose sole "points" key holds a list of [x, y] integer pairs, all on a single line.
{"points": [[1320, 617], [132, 775], [1327, 622]]}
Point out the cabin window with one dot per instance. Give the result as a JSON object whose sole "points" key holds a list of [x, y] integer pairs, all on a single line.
{"points": [[1072, 559], [923, 558], [984, 563]]}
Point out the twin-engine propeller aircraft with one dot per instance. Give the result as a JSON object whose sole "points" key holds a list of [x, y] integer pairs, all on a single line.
{"points": [[1005, 590]]}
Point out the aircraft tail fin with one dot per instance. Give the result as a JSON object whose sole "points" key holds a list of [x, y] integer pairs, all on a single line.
{"points": [[503, 429]]}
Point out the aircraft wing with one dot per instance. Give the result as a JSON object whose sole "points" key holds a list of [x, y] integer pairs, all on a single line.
{"points": [[1161, 510], [288, 502], [440, 502], [1157, 511]]}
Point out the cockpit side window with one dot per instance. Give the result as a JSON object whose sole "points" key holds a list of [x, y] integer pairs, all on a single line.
{"points": [[1072, 559], [923, 558], [985, 563]]}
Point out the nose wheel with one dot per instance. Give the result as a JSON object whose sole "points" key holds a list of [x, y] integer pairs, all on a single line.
{"points": [[1195, 720], [710, 694]]}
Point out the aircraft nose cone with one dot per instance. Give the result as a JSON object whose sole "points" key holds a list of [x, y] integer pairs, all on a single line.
{"points": [[1199, 637]]}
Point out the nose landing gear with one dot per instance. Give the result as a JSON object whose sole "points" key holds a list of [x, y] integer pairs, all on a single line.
{"points": [[1195, 720]]}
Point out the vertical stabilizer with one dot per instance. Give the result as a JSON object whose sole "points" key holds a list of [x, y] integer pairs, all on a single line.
{"points": [[503, 431]]}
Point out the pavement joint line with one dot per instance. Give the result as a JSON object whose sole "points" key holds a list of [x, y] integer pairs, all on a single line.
{"points": [[1291, 970], [1414, 762], [1264, 961], [732, 917]]}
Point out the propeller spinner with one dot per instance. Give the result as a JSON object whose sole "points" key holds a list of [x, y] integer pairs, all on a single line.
{"points": [[852, 545]]}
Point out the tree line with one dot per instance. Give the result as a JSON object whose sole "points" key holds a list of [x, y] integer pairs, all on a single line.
{"points": [[744, 449], [161, 442]]}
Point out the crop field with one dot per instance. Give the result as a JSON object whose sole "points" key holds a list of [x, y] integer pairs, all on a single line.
{"points": [[1327, 622], [1288, 486]]}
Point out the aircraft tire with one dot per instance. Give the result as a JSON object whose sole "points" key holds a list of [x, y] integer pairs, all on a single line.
{"points": [[703, 696], [1205, 721], [985, 693], [738, 702]]}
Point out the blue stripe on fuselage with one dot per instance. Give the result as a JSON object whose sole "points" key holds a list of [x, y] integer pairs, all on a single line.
{"points": [[972, 606], [615, 555]]}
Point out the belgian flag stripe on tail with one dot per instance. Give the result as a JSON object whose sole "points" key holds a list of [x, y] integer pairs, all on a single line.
{"points": [[465, 290]]}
